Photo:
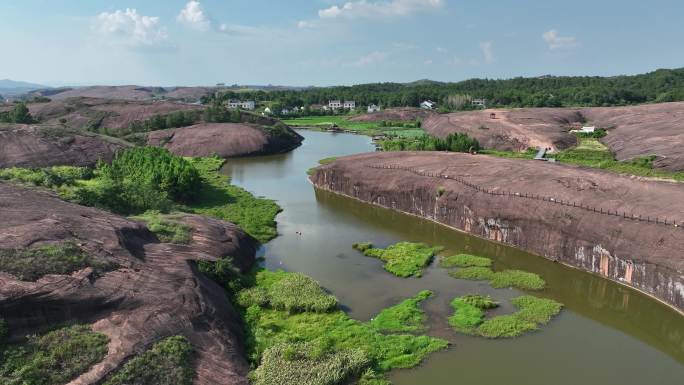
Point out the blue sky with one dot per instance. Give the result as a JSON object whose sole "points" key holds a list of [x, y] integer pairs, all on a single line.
{"points": [[326, 42]]}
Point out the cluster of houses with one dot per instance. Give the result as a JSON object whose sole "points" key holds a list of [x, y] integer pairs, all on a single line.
{"points": [[245, 105]]}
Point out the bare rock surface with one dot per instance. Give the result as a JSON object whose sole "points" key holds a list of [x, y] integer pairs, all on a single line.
{"points": [[156, 291], [498, 203], [39, 146], [510, 130], [130, 92], [84, 112], [223, 139]]}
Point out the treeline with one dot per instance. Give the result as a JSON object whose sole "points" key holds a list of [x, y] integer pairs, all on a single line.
{"points": [[455, 142], [547, 91], [162, 122], [19, 114]]}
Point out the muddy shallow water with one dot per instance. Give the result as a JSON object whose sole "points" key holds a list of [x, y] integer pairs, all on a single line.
{"points": [[607, 334]]}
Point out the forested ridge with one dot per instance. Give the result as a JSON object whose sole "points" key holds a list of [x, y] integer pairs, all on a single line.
{"points": [[664, 85]]}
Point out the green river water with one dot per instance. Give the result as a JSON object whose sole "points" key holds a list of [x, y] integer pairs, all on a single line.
{"points": [[607, 334]]}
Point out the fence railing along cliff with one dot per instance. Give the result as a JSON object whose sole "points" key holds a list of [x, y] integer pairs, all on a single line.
{"points": [[524, 195]]}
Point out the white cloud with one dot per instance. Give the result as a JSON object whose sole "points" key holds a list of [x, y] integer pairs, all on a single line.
{"points": [[193, 15], [404, 46], [555, 41], [131, 28], [428, 62], [441, 50], [304, 24], [371, 58], [378, 9], [487, 51]]}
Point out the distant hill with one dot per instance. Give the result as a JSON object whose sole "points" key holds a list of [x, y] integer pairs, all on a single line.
{"points": [[12, 88]]}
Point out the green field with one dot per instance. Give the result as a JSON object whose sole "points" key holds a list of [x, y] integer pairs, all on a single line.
{"points": [[590, 152], [365, 128]]}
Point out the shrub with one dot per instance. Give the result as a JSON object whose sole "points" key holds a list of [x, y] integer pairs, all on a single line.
{"points": [[56, 176], [62, 258], [156, 169], [406, 316], [3, 332], [167, 362], [404, 259], [455, 142], [54, 358], [465, 260], [19, 114], [440, 191], [301, 364]]}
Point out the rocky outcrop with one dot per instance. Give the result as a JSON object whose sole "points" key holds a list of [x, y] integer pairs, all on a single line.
{"points": [[155, 292], [34, 146], [225, 140], [510, 130], [597, 221]]}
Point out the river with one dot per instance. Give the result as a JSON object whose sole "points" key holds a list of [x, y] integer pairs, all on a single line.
{"points": [[607, 334]]}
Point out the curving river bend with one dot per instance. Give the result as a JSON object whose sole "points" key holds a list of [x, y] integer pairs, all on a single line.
{"points": [[607, 334]]}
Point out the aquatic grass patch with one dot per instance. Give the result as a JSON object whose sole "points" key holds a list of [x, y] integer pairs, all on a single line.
{"points": [[404, 259], [464, 260], [219, 199], [167, 362], [501, 279], [473, 273], [302, 364], [469, 312], [517, 278], [362, 246], [290, 292], [63, 258], [54, 358], [404, 317], [329, 337], [166, 227]]}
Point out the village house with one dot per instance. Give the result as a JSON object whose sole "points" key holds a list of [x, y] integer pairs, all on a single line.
{"points": [[246, 105], [428, 105], [373, 108], [480, 102], [585, 130], [336, 104]]}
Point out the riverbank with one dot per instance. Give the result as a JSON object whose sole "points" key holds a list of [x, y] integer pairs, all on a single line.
{"points": [[640, 253]]}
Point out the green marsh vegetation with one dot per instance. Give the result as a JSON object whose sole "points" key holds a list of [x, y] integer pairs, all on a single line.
{"points": [[501, 279], [464, 260], [455, 142], [149, 178], [34, 263], [297, 334], [217, 198], [403, 259], [405, 317], [167, 362], [54, 358], [470, 311], [391, 128]]}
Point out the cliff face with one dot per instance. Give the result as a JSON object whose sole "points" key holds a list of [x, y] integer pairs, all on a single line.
{"points": [[543, 208], [155, 292]]}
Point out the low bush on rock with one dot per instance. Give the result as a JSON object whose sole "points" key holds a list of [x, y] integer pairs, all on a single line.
{"points": [[54, 358], [291, 292], [166, 227], [167, 362], [61, 258]]}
